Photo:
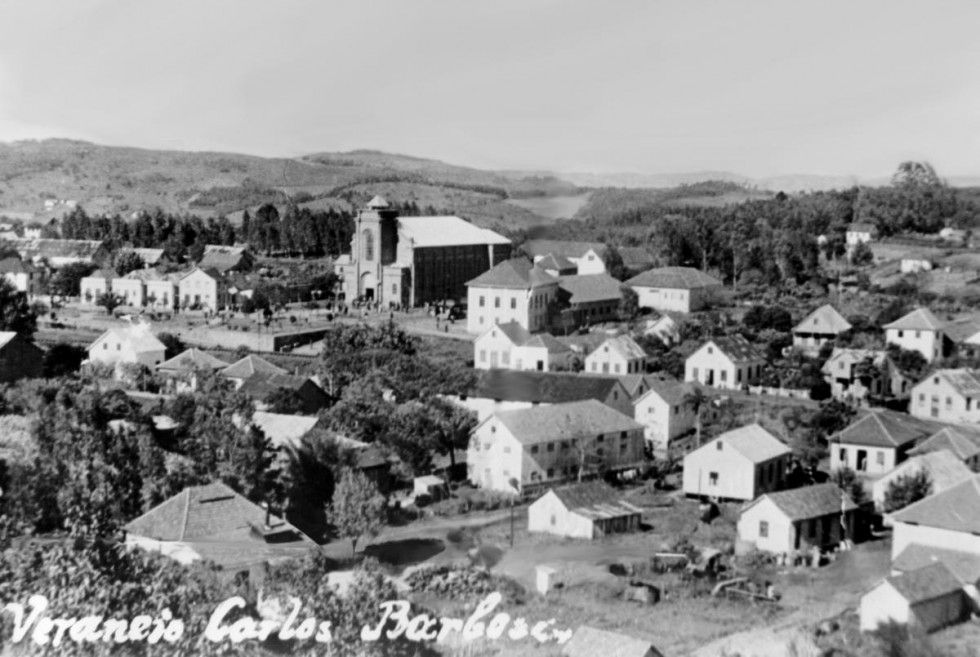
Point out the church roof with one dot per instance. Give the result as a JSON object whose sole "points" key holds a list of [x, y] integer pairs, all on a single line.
{"points": [[446, 231], [378, 203]]}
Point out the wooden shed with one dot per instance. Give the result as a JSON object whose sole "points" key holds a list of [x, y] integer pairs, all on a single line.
{"points": [[585, 510], [930, 597]]}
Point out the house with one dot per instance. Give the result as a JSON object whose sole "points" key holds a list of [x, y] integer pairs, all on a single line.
{"points": [[132, 288], [856, 375], [930, 598], [920, 331], [821, 326], [740, 464], [589, 642], [587, 510], [588, 257], [546, 445], [95, 285], [511, 346], [23, 276], [948, 519], [799, 519], [943, 468], [129, 344], [57, 253], [915, 263], [19, 358], [504, 390], [150, 257], [965, 566], [264, 388], [950, 395], [514, 290], [182, 370], [681, 289], [619, 354], [962, 441], [963, 335], [875, 443], [728, 362], [860, 233], [245, 368], [284, 431], [666, 328], [224, 259], [161, 289], [591, 298], [664, 413], [557, 265], [215, 523], [202, 289]]}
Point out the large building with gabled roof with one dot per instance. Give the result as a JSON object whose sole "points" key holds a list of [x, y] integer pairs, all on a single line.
{"points": [[878, 441], [948, 395], [681, 289], [919, 330], [409, 261], [740, 464], [514, 290]]}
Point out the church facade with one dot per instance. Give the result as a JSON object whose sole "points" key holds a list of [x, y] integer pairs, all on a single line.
{"points": [[410, 261]]}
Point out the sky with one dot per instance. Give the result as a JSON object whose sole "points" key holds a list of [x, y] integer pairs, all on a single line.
{"points": [[755, 87]]}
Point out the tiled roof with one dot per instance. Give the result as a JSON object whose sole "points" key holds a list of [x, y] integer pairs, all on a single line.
{"points": [[737, 348], [624, 346], [862, 227], [596, 500], [751, 441], [925, 583], [221, 257], [635, 257], [516, 273], [249, 365], [920, 319], [148, 256], [542, 387], [810, 501], [945, 470], [549, 342], [56, 248], [562, 248], [556, 262], [851, 357], [190, 360], [886, 429], [588, 417], [964, 381], [965, 566], [138, 336], [962, 329], [260, 385], [956, 509], [673, 278], [591, 642], [284, 430], [590, 288], [672, 392], [962, 441], [824, 319], [514, 332], [446, 231], [12, 265]]}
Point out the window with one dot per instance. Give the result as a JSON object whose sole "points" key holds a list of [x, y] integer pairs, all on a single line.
{"points": [[551, 447], [483, 355], [483, 301], [368, 238], [599, 438], [616, 368], [900, 333], [718, 443], [513, 304], [506, 449], [496, 302], [552, 520], [105, 345], [922, 396], [724, 375], [534, 449], [918, 333], [713, 478], [599, 451], [763, 529], [694, 373], [880, 458], [551, 473], [118, 346], [949, 402], [394, 288], [623, 446]]}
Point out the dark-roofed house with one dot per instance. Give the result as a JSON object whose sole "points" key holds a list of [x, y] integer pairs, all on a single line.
{"points": [[962, 441], [224, 259], [682, 289], [929, 598], [740, 464], [819, 327], [182, 370], [798, 519], [727, 362], [510, 346], [947, 519], [262, 388], [19, 358], [588, 510], [949, 395], [546, 445], [860, 233], [878, 441], [243, 369], [965, 566], [592, 298], [588, 257], [514, 290], [215, 523], [503, 390], [920, 331], [857, 374], [589, 642]]}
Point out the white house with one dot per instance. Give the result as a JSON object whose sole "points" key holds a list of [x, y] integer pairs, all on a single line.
{"points": [[920, 331], [182, 370], [513, 291], [666, 328], [664, 413], [942, 467], [951, 395], [737, 465], [962, 441], [965, 566], [929, 598], [161, 291], [131, 289], [681, 289], [728, 362], [202, 289], [819, 327], [96, 284], [133, 343], [511, 346], [949, 519], [587, 510], [23, 276], [855, 375], [588, 257], [860, 233], [617, 355], [797, 520], [875, 443], [546, 445]]}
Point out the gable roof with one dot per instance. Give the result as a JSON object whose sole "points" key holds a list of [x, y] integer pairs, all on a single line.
{"points": [[561, 421], [223, 258], [751, 441], [636, 257], [149, 257], [447, 230], [965, 566], [962, 329], [962, 441], [556, 262], [920, 319], [566, 249], [595, 499], [249, 365], [852, 357], [956, 509], [590, 288], [886, 429], [862, 227], [284, 430], [590, 642], [521, 337], [963, 380], [623, 345], [190, 360], [516, 273], [943, 468], [737, 348], [809, 501], [925, 583], [673, 278], [14, 265], [824, 319], [137, 337], [542, 387], [666, 387]]}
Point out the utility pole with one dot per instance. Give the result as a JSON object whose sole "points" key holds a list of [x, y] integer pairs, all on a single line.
{"points": [[516, 486]]}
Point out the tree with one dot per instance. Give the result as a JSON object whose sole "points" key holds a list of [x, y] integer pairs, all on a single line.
{"points": [[127, 261], [357, 509], [67, 282], [629, 304], [614, 263], [172, 344], [848, 481], [109, 301], [862, 255], [907, 488], [16, 314], [63, 359], [695, 400]]}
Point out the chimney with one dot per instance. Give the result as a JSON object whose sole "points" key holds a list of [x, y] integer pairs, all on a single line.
{"points": [[268, 514]]}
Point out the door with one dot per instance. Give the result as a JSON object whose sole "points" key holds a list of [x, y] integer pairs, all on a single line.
{"points": [[862, 460], [710, 378], [494, 359]]}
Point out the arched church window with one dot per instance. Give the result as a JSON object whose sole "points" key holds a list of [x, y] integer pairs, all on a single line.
{"points": [[368, 238]]}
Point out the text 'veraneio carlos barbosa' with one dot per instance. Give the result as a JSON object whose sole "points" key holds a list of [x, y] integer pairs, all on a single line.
{"points": [[395, 621]]}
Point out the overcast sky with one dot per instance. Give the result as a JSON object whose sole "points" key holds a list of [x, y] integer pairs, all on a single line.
{"points": [[758, 87]]}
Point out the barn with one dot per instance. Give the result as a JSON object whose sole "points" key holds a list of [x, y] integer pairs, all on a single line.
{"points": [[930, 597], [585, 510]]}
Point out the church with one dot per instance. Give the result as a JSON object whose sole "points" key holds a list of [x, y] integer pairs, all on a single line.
{"points": [[410, 261]]}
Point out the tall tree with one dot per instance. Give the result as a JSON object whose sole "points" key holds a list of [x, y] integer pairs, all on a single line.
{"points": [[357, 509], [16, 314]]}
